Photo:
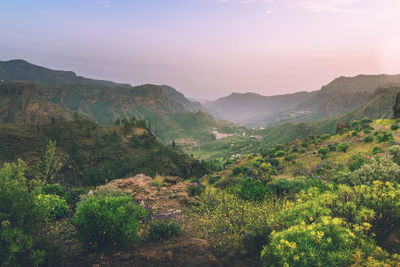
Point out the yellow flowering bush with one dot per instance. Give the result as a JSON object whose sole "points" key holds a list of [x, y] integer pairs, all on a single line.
{"points": [[54, 207], [329, 242]]}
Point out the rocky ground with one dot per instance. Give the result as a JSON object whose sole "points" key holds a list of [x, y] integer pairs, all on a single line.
{"points": [[171, 198]]}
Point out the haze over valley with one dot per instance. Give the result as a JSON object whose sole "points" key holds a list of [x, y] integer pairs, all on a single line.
{"points": [[200, 133]]}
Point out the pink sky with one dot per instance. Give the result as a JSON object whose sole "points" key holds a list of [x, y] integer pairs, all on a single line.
{"points": [[207, 48]]}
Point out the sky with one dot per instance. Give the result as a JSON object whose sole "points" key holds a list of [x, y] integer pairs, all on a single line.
{"points": [[206, 48]]}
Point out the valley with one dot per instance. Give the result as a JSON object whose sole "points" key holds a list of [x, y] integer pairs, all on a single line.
{"points": [[111, 174]]}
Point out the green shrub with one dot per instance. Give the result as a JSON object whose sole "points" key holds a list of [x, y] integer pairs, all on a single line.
{"points": [[323, 150], [329, 228], [108, 221], [251, 189], [356, 163], [236, 171], [368, 139], [383, 136], [342, 147], [73, 196], [332, 147], [53, 189], [255, 239], [290, 157], [302, 150], [354, 133], [394, 127], [255, 164], [54, 206], [282, 186], [164, 230], [196, 189], [365, 121], [325, 137], [394, 151], [20, 217], [279, 153], [376, 150], [326, 243], [214, 179]]}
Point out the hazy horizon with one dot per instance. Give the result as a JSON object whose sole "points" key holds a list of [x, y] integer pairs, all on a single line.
{"points": [[207, 48]]}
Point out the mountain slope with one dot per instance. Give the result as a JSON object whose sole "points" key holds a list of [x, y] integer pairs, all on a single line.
{"points": [[92, 153], [341, 95], [20, 101], [106, 101], [179, 98], [254, 109]]}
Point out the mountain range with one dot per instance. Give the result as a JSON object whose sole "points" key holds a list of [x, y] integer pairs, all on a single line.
{"points": [[44, 93], [341, 95]]}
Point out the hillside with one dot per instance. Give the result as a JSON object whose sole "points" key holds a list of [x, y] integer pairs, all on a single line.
{"points": [[179, 98], [339, 96], [379, 106], [106, 101], [253, 109], [92, 153], [21, 102], [318, 196]]}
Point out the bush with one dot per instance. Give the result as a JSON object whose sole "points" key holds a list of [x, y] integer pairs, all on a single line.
{"points": [[73, 196], [342, 147], [290, 157], [108, 221], [164, 230], [279, 153], [196, 189], [20, 217], [302, 150], [323, 150], [329, 228], [54, 206], [332, 147], [53, 189], [327, 243], [236, 171], [214, 179], [368, 139], [251, 189], [376, 150], [356, 163], [282, 186], [383, 136], [354, 133], [255, 239], [325, 137], [394, 127]]}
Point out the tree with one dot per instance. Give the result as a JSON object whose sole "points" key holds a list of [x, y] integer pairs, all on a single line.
{"points": [[76, 116], [173, 144], [47, 168]]}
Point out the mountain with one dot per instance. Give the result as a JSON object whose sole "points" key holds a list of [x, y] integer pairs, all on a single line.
{"points": [[106, 101], [253, 109], [21, 102], [379, 106], [341, 95], [178, 97], [19, 69]]}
